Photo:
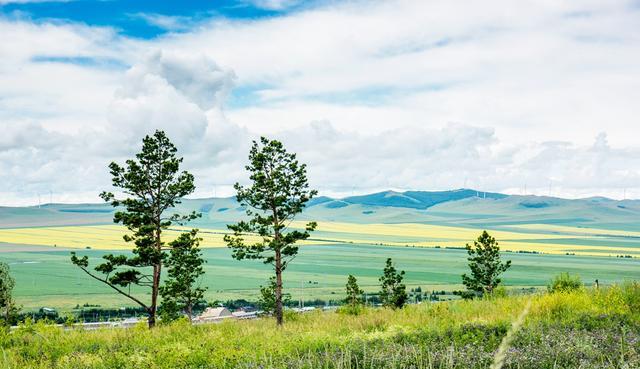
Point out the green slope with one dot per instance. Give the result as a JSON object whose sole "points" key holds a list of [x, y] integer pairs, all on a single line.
{"points": [[459, 208]]}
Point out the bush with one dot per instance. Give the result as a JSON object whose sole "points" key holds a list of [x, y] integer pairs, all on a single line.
{"points": [[632, 295], [351, 309], [565, 282], [498, 292]]}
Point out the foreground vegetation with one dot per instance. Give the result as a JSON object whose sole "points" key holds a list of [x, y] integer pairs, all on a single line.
{"points": [[580, 329]]}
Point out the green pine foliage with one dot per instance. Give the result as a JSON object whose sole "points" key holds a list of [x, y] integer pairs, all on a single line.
{"points": [[8, 308], [354, 292], [485, 265], [393, 292], [353, 303], [181, 290], [267, 299], [153, 184], [278, 192]]}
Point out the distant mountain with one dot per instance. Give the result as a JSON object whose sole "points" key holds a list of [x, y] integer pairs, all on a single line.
{"points": [[463, 207], [418, 199]]}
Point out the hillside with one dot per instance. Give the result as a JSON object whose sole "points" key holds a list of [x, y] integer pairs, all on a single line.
{"points": [[457, 208], [583, 329]]}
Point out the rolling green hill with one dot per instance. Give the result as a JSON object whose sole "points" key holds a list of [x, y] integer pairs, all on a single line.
{"points": [[456, 208]]}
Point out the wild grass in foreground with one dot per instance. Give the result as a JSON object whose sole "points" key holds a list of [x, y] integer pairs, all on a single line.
{"points": [[583, 329]]}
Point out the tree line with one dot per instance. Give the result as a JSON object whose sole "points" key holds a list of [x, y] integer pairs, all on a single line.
{"points": [[151, 185]]}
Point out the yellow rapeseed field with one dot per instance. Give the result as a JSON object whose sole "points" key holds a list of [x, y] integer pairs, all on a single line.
{"points": [[109, 237], [447, 236], [575, 230], [102, 237]]}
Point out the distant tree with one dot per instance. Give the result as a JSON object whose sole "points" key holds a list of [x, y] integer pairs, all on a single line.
{"points": [[485, 265], [180, 292], [354, 292], [267, 299], [393, 292], [7, 304], [279, 191], [154, 185]]}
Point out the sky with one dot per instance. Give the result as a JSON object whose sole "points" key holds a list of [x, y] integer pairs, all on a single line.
{"points": [[529, 97]]}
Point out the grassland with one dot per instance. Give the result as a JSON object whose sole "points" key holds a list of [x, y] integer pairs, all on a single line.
{"points": [[583, 329], [582, 237], [47, 278]]}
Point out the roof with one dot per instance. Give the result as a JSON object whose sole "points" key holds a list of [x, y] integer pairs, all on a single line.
{"points": [[215, 313]]}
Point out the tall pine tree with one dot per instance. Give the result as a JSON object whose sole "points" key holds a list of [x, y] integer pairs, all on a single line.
{"points": [[7, 304], [354, 292], [181, 290], [485, 264], [278, 192], [393, 292], [153, 185]]}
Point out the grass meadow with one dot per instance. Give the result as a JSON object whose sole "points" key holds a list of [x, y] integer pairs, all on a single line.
{"points": [[45, 277], [582, 329]]}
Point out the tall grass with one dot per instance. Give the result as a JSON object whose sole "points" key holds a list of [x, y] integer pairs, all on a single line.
{"points": [[501, 354], [580, 329]]}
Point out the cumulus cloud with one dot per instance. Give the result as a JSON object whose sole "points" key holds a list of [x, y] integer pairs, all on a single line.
{"points": [[180, 94], [461, 155], [502, 65], [367, 93]]}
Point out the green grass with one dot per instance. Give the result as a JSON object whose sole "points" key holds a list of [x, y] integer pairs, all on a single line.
{"points": [[584, 329], [47, 278]]}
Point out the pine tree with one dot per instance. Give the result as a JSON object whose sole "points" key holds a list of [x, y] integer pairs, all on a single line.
{"points": [[181, 291], [393, 292], [267, 300], [7, 305], [279, 191], [154, 185], [354, 292], [485, 265]]}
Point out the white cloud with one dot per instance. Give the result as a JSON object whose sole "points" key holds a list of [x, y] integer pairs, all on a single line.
{"points": [[274, 4], [167, 22], [373, 95], [501, 64]]}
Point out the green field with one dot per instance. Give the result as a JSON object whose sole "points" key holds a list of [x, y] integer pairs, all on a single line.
{"points": [[354, 236], [47, 278]]}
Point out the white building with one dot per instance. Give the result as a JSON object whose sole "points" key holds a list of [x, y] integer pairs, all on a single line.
{"points": [[213, 315]]}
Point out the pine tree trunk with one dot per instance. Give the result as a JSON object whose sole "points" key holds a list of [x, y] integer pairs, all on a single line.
{"points": [[154, 295], [279, 318], [155, 288], [190, 312]]}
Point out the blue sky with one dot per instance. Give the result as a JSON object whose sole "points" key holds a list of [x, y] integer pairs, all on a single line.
{"points": [[127, 16], [372, 94]]}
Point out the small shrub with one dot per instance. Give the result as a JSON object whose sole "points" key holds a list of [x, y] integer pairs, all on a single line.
{"points": [[291, 316], [498, 292], [631, 292], [565, 282], [351, 309]]}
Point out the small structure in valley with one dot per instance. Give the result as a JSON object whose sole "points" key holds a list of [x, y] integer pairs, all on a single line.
{"points": [[213, 315]]}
